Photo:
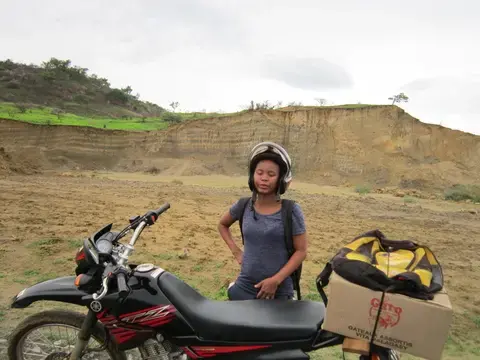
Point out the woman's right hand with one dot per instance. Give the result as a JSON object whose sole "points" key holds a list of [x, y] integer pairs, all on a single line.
{"points": [[238, 253]]}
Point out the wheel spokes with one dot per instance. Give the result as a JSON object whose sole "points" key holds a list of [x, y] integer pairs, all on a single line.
{"points": [[55, 339]]}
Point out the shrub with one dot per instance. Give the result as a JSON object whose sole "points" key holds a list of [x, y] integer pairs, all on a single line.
{"points": [[172, 117], [461, 192], [409, 199], [152, 170], [363, 189]]}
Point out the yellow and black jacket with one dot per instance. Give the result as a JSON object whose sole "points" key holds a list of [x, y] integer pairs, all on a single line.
{"points": [[397, 266]]}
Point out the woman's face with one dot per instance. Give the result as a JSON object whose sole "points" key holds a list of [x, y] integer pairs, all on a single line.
{"points": [[266, 176]]}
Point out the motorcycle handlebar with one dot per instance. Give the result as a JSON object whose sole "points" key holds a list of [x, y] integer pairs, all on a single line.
{"points": [[152, 215], [148, 219], [162, 209], [122, 284]]}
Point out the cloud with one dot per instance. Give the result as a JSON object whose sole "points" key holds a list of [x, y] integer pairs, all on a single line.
{"points": [[130, 32], [447, 92], [448, 100], [217, 54], [306, 73]]}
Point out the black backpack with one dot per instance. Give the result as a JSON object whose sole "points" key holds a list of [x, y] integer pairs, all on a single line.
{"points": [[287, 210]]}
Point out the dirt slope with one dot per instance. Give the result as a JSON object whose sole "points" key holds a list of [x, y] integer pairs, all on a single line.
{"points": [[381, 145]]}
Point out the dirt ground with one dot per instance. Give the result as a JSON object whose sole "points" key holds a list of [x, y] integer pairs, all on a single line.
{"points": [[44, 217]]}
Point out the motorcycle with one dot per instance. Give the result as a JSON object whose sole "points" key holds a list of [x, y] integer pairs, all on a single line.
{"points": [[150, 310]]}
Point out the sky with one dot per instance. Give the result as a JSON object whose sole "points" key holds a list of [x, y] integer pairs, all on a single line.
{"points": [[218, 55]]}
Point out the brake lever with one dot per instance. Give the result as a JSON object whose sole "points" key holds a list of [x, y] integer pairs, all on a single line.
{"points": [[134, 221], [104, 289]]}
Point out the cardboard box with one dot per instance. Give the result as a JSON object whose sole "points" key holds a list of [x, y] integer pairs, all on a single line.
{"points": [[413, 326]]}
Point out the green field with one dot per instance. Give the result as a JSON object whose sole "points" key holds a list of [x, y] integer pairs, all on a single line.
{"points": [[46, 116], [41, 115]]}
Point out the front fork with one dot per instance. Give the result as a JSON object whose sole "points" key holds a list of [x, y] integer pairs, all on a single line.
{"points": [[84, 335]]}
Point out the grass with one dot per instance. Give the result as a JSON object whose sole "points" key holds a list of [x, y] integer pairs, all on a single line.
{"points": [[352, 106], [343, 106], [409, 199], [461, 192], [31, 273], [52, 246], [45, 247], [363, 189], [74, 243], [46, 116], [165, 256]]}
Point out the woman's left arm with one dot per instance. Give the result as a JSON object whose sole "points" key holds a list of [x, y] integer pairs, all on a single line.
{"points": [[300, 245], [268, 287]]}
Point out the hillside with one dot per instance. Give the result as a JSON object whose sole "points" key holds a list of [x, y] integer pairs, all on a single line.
{"points": [[378, 145], [351, 144], [58, 84]]}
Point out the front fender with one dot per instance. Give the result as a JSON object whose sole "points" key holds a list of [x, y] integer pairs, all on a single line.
{"points": [[60, 289]]}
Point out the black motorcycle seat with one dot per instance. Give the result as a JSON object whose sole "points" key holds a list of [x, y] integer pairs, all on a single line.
{"points": [[246, 320]]}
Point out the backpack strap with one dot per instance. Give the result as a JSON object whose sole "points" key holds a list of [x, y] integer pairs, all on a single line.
{"points": [[287, 211], [243, 204]]}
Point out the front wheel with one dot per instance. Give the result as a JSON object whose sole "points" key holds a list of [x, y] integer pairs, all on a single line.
{"points": [[52, 335]]}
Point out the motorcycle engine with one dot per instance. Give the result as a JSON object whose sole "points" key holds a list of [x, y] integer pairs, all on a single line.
{"points": [[154, 350]]}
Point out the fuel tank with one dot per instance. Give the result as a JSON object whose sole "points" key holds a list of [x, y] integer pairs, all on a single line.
{"points": [[142, 313]]}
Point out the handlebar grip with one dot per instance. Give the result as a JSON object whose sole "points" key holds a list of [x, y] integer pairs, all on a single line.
{"points": [[122, 284], [162, 209]]}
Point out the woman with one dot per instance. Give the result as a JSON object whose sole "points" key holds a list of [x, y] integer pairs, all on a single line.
{"points": [[265, 263]]}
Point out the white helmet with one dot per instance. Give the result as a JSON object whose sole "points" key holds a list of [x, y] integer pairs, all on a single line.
{"points": [[271, 151]]}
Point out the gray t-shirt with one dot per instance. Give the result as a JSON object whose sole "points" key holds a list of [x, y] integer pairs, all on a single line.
{"points": [[265, 251]]}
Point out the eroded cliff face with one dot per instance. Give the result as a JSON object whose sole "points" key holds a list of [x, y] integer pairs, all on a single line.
{"points": [[381, 145]]}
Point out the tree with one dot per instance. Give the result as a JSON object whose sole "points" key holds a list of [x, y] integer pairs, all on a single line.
{"points": [[321, 102], [172, 117], [174, 105], [117, 96], [127, 90], [57, 64], [295, 103], [399, 98], [265, 105]]}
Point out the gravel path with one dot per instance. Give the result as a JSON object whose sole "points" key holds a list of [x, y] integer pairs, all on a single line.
{"points": [[3, 348], [131, 355]]}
